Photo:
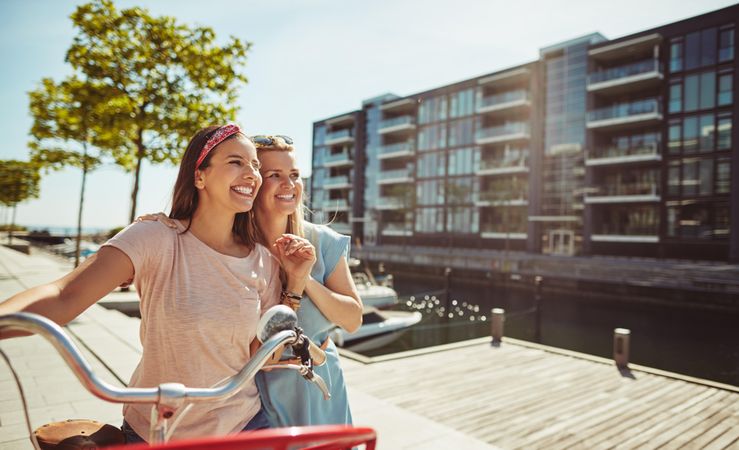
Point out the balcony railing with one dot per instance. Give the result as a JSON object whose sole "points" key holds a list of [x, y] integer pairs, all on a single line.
{"points": [[504, 163], [400, 148], [397, 229], [515, 128], [341, 135], [620, 72], [624, 110], [651, 148], [503, 197], [390, 203], [628, 230], [335, 158], [340, 180], [396, 122], [337, 204], [503, 98], [650, 189], [395, 174]]}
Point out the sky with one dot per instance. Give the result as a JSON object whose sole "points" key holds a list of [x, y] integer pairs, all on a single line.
{"points": [[311, 59]]}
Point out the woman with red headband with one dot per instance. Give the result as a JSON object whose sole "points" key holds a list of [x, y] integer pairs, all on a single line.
{"points": [[203, 284]]}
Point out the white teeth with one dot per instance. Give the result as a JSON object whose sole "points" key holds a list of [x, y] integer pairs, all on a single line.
{"points": [[247, 190], [286, 196]]}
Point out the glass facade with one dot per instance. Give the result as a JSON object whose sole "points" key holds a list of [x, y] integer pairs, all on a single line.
{"points": [[602, 143]]}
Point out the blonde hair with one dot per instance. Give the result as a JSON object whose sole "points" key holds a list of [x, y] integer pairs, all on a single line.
{"points": [[294, 220]]}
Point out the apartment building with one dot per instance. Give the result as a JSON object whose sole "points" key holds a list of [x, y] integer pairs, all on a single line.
{"points": [[609, 147]]}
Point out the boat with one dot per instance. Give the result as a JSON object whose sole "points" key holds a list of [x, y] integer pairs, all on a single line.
{"points": [[378, 329], [372, 293]]}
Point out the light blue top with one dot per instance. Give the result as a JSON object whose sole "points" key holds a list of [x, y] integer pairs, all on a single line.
{"points": [[288, 399]]}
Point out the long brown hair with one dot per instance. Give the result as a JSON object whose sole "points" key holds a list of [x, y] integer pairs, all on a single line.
{"points": [[185, 197], [294, 220]]}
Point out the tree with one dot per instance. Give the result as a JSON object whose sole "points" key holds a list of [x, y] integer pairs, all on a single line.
{"points": [[19, 181], [164, 80], [66, 127]]}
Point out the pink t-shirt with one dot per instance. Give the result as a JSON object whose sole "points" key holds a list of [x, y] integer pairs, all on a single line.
{"points": [[199, 312]]}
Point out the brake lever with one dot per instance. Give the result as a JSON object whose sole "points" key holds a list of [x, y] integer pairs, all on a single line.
{"points": [[316, 379]]}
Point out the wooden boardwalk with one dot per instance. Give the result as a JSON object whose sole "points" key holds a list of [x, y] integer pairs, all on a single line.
{"points": [[522, 396]]}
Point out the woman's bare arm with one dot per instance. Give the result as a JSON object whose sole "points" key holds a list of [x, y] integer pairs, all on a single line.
{"points": [[66, 298], [338, 300]]}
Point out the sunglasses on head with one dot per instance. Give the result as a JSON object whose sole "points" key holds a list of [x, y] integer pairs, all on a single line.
{"points": [[268, 141]]}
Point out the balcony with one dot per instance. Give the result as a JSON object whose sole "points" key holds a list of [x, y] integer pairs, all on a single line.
{"points": [[501, 198], [397, 229], [336, 205], [503, 166], [625, 193], [616, 80], [508, 132], [644, 236], [399, 150], [401, 123], [505, 101], [338, 182], [338, 160], [642, 112], [395, 176], [390, 203], [497, 232], [339, 137], [602, 156]]}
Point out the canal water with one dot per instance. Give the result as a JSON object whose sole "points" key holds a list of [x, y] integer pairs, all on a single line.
{"points": [[698, 343]]}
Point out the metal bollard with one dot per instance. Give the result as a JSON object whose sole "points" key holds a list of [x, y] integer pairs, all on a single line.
{"points": [[621, 338], [497, 317]]}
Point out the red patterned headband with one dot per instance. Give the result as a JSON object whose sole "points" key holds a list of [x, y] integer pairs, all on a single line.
{"points": [[219, 136]]}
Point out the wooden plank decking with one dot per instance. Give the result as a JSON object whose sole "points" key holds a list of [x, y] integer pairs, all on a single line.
{"points": [[523, 396]]}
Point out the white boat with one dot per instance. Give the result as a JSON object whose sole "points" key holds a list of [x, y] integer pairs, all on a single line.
{"points": [[372, 293], [378, 329]]}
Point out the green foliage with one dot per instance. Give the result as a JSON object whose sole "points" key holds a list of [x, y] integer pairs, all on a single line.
{"points": [[19, 181], [66, 121], [163, 80]]}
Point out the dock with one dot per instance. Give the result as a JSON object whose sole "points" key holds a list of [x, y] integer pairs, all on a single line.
{"points": [[468, 395]]}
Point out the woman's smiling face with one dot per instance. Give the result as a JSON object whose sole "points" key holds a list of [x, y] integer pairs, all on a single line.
{"points": [[232, 178], [282, 187]]}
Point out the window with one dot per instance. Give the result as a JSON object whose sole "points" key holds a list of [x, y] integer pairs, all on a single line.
{"points": [[707, 90], [676, 97], [690, 177], [673, 179], [460, 133], [432, 137], [674, 137], [692, 50], [690, 134], [725, 89], [676, 56], [707, 133], [430, 192], [706, 177], [432, 109], [672, 219], [462, 220], [461, 161], [724, 132], [430, 220], [431, 165], [723, 178], [726, 45], [708, 47], [692, 83], [462, 103]]}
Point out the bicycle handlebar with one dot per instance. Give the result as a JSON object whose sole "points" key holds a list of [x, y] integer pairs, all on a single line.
{"points": [[166, 392]]}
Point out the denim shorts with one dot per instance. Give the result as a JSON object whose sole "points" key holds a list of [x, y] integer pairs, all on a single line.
{"points": [[258, 422]]}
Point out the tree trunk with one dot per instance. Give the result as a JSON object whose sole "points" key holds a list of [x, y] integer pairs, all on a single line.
{"points": [[139, 159], [79, 211], [12, 225]]}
